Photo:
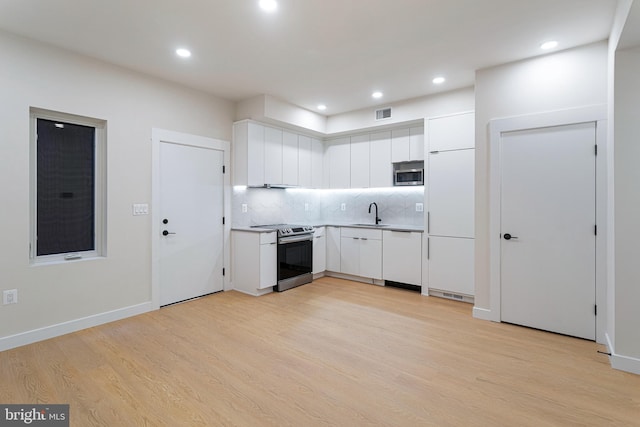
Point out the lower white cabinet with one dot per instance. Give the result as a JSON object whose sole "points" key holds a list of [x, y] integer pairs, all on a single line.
{"points": [[451, 264], [319, 250], [251, 249], [361, 252], [402, 257], [332, 237]]}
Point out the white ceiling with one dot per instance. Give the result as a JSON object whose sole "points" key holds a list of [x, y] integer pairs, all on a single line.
{"points": [[335, 52]]}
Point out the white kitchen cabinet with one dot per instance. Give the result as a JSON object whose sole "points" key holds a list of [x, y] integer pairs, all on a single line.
{"points": [[272, 156], [359, 161], [248, 154], [319, 250], [380, 167], [337, 162], [332, 235], [451, 193], [317, 162], [400, 145], [402, 257], [407, 144], [455, 132], [304, 162], [289, 158], [451, 265], [416, 143], [258, 250], [361, 252]]}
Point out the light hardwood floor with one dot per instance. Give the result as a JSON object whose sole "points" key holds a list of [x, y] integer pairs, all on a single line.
{"points": [[331, 353]]}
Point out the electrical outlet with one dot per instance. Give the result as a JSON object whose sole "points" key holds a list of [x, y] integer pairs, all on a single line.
{"points": [[343, 206], [419, 207], [244, 208], [10, 297]]}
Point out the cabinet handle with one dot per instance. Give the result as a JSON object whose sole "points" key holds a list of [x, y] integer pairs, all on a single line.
{"points": [[356, 238], [364, 238], [274, 243], [428, 248], [428, 222]]}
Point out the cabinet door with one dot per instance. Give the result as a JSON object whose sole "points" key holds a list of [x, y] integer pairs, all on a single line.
{"points": [[402, 257], [350, 255], [272, 155], [370, 258], [452, 132], [319, 250], [451, 264], [360, 161], [400, 145], [338, 163], [268, 265], [381, 169], [255, 154], [304, 161], [289, 158], [317, 163], [416, 143], [333, 248], [451, 193]]}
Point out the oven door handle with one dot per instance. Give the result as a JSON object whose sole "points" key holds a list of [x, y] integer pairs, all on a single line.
{"points": [[293, 239]]}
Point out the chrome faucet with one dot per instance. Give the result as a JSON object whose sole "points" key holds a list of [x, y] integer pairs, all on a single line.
{"points": [[376, 205]]}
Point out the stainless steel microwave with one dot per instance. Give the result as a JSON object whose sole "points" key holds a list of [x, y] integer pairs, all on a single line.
{"points": [[408, 177]]}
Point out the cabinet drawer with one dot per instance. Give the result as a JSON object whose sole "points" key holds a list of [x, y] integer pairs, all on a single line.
{"points": [[361, 233], [270, 237]]}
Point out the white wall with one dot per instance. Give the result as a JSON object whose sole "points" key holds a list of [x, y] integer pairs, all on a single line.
{"points": [[626, 334], [404, 111], [36, 75], [562, 80]]}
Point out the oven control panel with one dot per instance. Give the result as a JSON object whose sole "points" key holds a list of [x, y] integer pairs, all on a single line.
{"points": [[292, 231]]}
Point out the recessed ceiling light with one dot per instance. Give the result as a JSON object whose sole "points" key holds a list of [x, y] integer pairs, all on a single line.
{"points": [[322, 107], [438, 80], [268, 5], [377, 95], [183, 53], [549, 45]]}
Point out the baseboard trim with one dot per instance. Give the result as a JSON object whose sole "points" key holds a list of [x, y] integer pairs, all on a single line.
{"points": [[29, 337], [622, 363], [482, 313]]}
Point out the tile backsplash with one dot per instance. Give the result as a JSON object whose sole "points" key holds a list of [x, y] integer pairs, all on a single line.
{"points": [[396, 205]]}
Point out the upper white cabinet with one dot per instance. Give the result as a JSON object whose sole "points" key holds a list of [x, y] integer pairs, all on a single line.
{"points": [[454, 132], [360, 161], [317, 163], [266, 155], [407, 144], [304, 162], [380, 167], [290, 158], [337, 161], [272, 156], [451, 193]]}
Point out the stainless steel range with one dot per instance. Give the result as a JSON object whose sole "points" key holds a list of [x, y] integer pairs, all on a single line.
{"points": [[295, 255]]}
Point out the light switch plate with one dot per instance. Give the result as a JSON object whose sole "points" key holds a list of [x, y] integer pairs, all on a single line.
{"points": [[10, 297], [140, 209]]}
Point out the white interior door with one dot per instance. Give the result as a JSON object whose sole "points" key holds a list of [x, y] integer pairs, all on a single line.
{"points": [[191, 256], [547, 227]]}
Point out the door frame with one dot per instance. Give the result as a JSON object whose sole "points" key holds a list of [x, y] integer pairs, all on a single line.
{"points": [[157, 137], [597, 114]]}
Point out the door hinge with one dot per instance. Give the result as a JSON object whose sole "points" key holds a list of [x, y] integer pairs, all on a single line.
{"points": [[222, 220], [223, 271], [595, 229], [595, 149], [224, 169], [595, 309]]}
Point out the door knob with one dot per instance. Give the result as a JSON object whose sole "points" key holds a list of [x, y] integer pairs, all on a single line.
{"points": [[508, 236], [166, 233]]}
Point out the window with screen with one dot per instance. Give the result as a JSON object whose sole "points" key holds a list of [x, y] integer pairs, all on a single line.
{"points": [[67, 186]]}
